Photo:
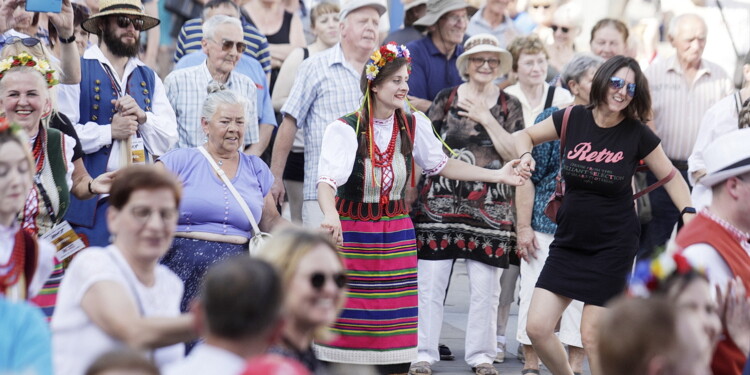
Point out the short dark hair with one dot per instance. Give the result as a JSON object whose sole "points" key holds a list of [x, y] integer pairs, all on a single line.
{"points": [[241, 297], [141, 177], [217, 3], [122, 359], [640, 107]]}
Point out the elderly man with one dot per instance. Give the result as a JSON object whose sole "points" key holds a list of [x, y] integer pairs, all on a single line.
{"points": [[683, 87], [326, 88], [717, 238], [238, 308], [186, 88], [434, 56], [191, 35], [120, 108]]}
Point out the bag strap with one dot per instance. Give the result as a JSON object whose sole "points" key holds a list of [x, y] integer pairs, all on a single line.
{"points": [[451, 97], [231, 188], [651, 187], [550, 96], [563, 132]]}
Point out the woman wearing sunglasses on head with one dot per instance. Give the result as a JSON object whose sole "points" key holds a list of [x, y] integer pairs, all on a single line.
{"points": [[597, 235], [314, 280]]}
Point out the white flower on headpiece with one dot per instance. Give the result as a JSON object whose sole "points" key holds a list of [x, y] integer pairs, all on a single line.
{"points": [[391, 47], [43, 65], [5, 65]]}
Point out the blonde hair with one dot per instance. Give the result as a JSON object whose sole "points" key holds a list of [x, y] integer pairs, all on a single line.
{"points": [[40, 52]]}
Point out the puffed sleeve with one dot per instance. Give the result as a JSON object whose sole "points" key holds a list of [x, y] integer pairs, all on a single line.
{"points": [[428, 150], [337, 156]]}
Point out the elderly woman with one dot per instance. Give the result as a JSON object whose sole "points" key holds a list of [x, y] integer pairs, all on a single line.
{"points": [[27, 262], [314, 280], [212, 225], [471, 220], [597, 234], [120, 295], [535, 230], [566, 26], [609, 38]]}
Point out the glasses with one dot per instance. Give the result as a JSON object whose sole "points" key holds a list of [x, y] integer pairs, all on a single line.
{"points": [[457, 19], [27, 42], [562, 28], [618, 83], [143, 214], [227, 45], [318, 279], [125, 21], [478, 61]]}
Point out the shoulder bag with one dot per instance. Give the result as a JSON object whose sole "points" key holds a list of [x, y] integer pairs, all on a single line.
{"points": [[258, 238]]}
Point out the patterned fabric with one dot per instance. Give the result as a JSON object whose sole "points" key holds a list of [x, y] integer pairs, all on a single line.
{"points": [[189, 40], [547, 157], [379, 322], [472, 220], [328, 88], [50, 184], [186, 91]]}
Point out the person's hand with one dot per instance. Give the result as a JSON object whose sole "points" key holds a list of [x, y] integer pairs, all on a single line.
{"points": [[7, 7], [410, 196], [476, 111], [103, 182], [123, 127], [63, 21], [528, 164], [278, 190], [127, 106], [331, 225], [736, 318], [526, 243], [511, 175]]}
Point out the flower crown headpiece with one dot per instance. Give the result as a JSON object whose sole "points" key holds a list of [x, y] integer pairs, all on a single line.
{"points": [[24, 59], [649, 275], [385, 54]]}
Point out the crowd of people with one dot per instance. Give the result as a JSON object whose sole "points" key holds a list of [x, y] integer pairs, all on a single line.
{"points": [[131, 195]]}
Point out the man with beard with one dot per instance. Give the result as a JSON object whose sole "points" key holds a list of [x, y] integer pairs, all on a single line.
{"points": [[120, 108]]}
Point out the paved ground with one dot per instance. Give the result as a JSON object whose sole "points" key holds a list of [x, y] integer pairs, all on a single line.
{"points": [[454, 326]]}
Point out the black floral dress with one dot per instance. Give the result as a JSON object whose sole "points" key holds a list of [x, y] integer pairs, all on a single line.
{"points": [[472, 220]]}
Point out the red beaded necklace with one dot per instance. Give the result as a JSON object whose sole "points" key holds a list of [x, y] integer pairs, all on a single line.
{"points": [[14, 266], [37, 150], [385, 159]]}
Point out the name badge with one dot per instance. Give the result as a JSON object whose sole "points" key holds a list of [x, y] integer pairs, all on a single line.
{"points": [[137, 151], [65, 239]]}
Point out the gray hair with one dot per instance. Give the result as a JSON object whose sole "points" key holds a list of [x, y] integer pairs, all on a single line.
{"points": [[578, 66], [218, 95], [675, 22], [209, 27]]}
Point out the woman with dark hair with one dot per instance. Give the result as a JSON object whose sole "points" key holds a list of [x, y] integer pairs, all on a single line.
{"points": [[366, 162], [597, 235]]}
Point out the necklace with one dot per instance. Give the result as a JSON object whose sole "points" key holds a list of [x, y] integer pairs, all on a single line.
{"points": [[11, 270]]}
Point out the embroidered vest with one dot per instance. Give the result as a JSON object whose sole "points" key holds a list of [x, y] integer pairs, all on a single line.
{"points": [[360, 197], [97, 92], [728, 359], [54, 191]]}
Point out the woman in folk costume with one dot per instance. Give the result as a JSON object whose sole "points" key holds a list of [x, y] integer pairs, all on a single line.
{"points": [[366, 161]]}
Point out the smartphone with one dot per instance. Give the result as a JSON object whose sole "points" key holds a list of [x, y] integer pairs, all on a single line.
{"points": [[51, 6]]}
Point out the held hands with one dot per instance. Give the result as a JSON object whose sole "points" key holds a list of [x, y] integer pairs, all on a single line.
{"points": [[528, 164], [331, 225], [526, 243], [512, 174]]}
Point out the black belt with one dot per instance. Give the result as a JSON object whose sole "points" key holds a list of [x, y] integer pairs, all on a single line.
{"points": [[681, 165]]}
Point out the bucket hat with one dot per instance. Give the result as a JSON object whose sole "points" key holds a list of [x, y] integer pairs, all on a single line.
{"points": [[727, 156], [412, 4], [485, 43], [437, 8], [352, 5], [119, 7]]}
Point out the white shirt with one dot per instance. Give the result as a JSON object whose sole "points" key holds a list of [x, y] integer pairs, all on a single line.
{"points": [[560, 99], [207, 359], [340, 148], [159, 132], [45, 262], [76, 340]]}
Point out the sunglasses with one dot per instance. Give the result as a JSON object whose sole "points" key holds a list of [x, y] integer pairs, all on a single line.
{"points": [[27, 42], [125, 21], [618, 83], [562, 28], [318, 279], [493, 63], [227, 45]]}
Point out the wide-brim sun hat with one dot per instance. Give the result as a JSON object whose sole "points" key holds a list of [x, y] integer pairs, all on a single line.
{"points": [[485, 43], [119, 7], [413, 4], [352, 5], [437, 8], [727, 156]]}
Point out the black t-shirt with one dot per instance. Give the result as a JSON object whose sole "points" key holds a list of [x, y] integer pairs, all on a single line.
{"points": [[61, 122]]}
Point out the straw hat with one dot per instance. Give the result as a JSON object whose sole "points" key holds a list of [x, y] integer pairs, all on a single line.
{"points": [[484, 43], [117, 7], [352, 5], [727, 156], [437, 8]]}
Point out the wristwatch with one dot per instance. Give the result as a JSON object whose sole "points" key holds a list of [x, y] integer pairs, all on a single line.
{"points": [[687, 210], [68, 40]]}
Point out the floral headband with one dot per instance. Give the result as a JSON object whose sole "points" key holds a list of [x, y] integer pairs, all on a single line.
{"points": [[24, 59], [385, 54], [649, 275]]}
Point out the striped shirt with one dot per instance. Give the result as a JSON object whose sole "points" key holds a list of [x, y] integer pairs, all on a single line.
{"points": [[326, 88], [191, 34], [186, 91], [679, 105]]}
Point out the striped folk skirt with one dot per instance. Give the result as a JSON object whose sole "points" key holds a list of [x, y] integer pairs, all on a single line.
{"points": [[379, 322]]}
